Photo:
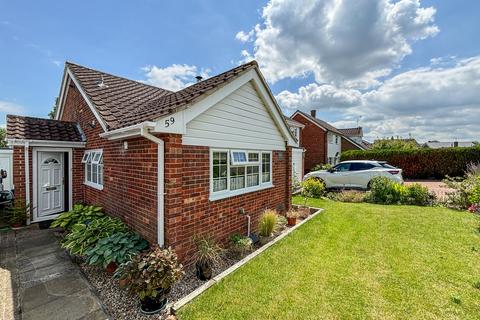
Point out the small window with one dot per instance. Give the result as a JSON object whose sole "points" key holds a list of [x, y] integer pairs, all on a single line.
{"points": [[253, 176], [237, 178], [238, 157], [266, 168], [336, 139], [93, 161], [220, 167], [342, 167], [253, 157]]}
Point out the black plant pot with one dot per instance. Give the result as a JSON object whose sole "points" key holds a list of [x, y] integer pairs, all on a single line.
{"points": [[203, 271], [154, 305]]}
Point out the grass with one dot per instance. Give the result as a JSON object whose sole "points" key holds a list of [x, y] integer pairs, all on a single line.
{"points": [[358, 261]]}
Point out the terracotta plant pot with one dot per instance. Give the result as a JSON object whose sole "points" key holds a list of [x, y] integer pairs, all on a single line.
{"points": [[292, 221], [16, 225], [122, 283], [154, 305], [111, 267]]}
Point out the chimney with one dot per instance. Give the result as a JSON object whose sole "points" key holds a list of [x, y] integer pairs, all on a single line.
{"points": [[313, 113], [455, 144]]}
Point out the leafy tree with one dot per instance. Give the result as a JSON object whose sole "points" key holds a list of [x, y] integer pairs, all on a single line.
{"points": [[395, 144], [3, 138], [53, 112]]}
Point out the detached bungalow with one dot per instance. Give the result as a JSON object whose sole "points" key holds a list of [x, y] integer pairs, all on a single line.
{"points": [[169, 164]]}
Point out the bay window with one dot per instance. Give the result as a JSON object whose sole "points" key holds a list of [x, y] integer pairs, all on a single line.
{"points": [[93, 160], [235, 172]]}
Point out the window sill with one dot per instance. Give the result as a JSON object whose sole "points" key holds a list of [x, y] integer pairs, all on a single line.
{"points": [[229, 194], [93, 185]]}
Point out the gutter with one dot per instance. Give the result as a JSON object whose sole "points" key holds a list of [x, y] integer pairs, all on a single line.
{"points": [[160, 184], [128, 132]]}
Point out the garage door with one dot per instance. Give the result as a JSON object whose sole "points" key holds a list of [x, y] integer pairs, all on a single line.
{"points": [[6, 164], [297, 163]]}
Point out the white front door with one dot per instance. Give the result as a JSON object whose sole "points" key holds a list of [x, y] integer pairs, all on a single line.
{"points": [[50, 183]]}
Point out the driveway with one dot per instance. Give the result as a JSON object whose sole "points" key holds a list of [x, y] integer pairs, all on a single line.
{"points": [[436, 186], [39, 281]]}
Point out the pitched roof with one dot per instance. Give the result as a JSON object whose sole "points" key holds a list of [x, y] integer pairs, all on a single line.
{"points": [[352, 132], [122, 102], [321, 123], [29, 128]]}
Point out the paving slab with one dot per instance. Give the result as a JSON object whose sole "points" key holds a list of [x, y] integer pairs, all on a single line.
{"points": [[39, 280]]}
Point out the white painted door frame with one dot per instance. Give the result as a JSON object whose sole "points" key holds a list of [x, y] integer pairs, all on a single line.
{"points": [[35, 189]]}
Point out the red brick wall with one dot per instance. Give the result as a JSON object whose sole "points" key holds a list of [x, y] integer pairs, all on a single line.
{"points": [[347, 145], [314, 140], [189, 212], [130, 176]]}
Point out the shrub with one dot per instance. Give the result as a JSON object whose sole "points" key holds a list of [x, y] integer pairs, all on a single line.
{"points": [[386, 191], [18, 212], [313, 188], [350, 196], [208, 251], [422, 163], [321, 166], [268, 223], [85, 236], [79, 214], [292, 213], [281, 222], [418, 195], [117, 248], [465, 189], [149, 271], [240, 244], [474, 196]]}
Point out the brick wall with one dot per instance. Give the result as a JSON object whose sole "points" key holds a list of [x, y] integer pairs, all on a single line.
{"points": [[189, 212], [314, 140], [347, 145], [130, 176]]}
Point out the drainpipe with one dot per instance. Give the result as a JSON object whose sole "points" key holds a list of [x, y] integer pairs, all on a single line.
{"points": [[27, 180], [160, 184]]}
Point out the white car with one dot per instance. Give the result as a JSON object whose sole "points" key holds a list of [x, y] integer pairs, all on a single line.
{"points": [[356, 174]]}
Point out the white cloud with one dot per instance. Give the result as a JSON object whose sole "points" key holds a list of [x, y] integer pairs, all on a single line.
{"points": [[245, 36], [174, 77], [339, 41], [429, 103], [11, 107]]}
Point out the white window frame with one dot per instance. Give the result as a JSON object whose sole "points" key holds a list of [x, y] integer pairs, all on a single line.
{"points": [[88, 159], [238, 163], [217, 195]]}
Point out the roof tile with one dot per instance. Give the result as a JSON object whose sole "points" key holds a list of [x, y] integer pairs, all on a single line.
{"points": [[29, 128]]}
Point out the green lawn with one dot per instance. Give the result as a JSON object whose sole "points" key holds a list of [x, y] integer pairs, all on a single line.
{"points": [[358, 261]]}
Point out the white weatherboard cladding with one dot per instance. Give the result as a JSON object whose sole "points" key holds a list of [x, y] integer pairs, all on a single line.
{"points": [[241, 120]]}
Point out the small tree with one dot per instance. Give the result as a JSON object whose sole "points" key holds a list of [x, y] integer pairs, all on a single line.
{"points": [[3, 138]]}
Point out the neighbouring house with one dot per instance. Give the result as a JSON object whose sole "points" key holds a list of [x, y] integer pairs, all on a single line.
{"points": [[323, 143], [169, 164], [452, 144], [298, 153]]}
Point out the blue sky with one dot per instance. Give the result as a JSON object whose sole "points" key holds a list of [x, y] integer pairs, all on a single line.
{"points": [[142, 39]]}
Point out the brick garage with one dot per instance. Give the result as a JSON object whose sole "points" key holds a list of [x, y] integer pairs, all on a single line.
{"points": [[113, 118]]}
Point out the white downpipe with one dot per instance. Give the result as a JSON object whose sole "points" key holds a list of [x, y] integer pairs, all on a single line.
{"points": [[160, 184], [27, 180], [248, 228]]}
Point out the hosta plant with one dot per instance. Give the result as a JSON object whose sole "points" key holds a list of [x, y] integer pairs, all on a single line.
{"points": [[79, 214], [117, 248], [85, 236]]}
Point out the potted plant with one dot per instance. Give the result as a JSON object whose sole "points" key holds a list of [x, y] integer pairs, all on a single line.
{"points": [[208, 255], [151, 275], [17, 214], [267, 225], [292, 216], [114, 250]]}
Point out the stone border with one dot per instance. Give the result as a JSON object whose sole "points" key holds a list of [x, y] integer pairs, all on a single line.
{"points": [[192, 295]]}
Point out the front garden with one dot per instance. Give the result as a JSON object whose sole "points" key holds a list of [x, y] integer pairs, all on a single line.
{"points": [[358, 260]]}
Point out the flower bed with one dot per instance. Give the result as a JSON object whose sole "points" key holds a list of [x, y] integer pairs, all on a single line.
{"points": [[124, 304]]}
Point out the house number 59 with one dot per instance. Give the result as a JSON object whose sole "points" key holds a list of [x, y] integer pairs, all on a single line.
{"points": [[169, 122]]}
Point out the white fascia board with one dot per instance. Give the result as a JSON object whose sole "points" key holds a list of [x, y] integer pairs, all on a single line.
{"points": [[127, 132], [45, 143], [63, 89], [172, 123]]}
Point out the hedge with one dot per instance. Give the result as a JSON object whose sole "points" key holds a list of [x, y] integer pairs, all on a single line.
{"points": [[422, 163]]}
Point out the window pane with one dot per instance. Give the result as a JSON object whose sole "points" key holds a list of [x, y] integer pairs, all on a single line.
{"points": [[237, 178], [239, 157], [100, 175], [253, 157], [94, 173], [219, 171], [253, 176], [89, 173], [266, 174]]}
